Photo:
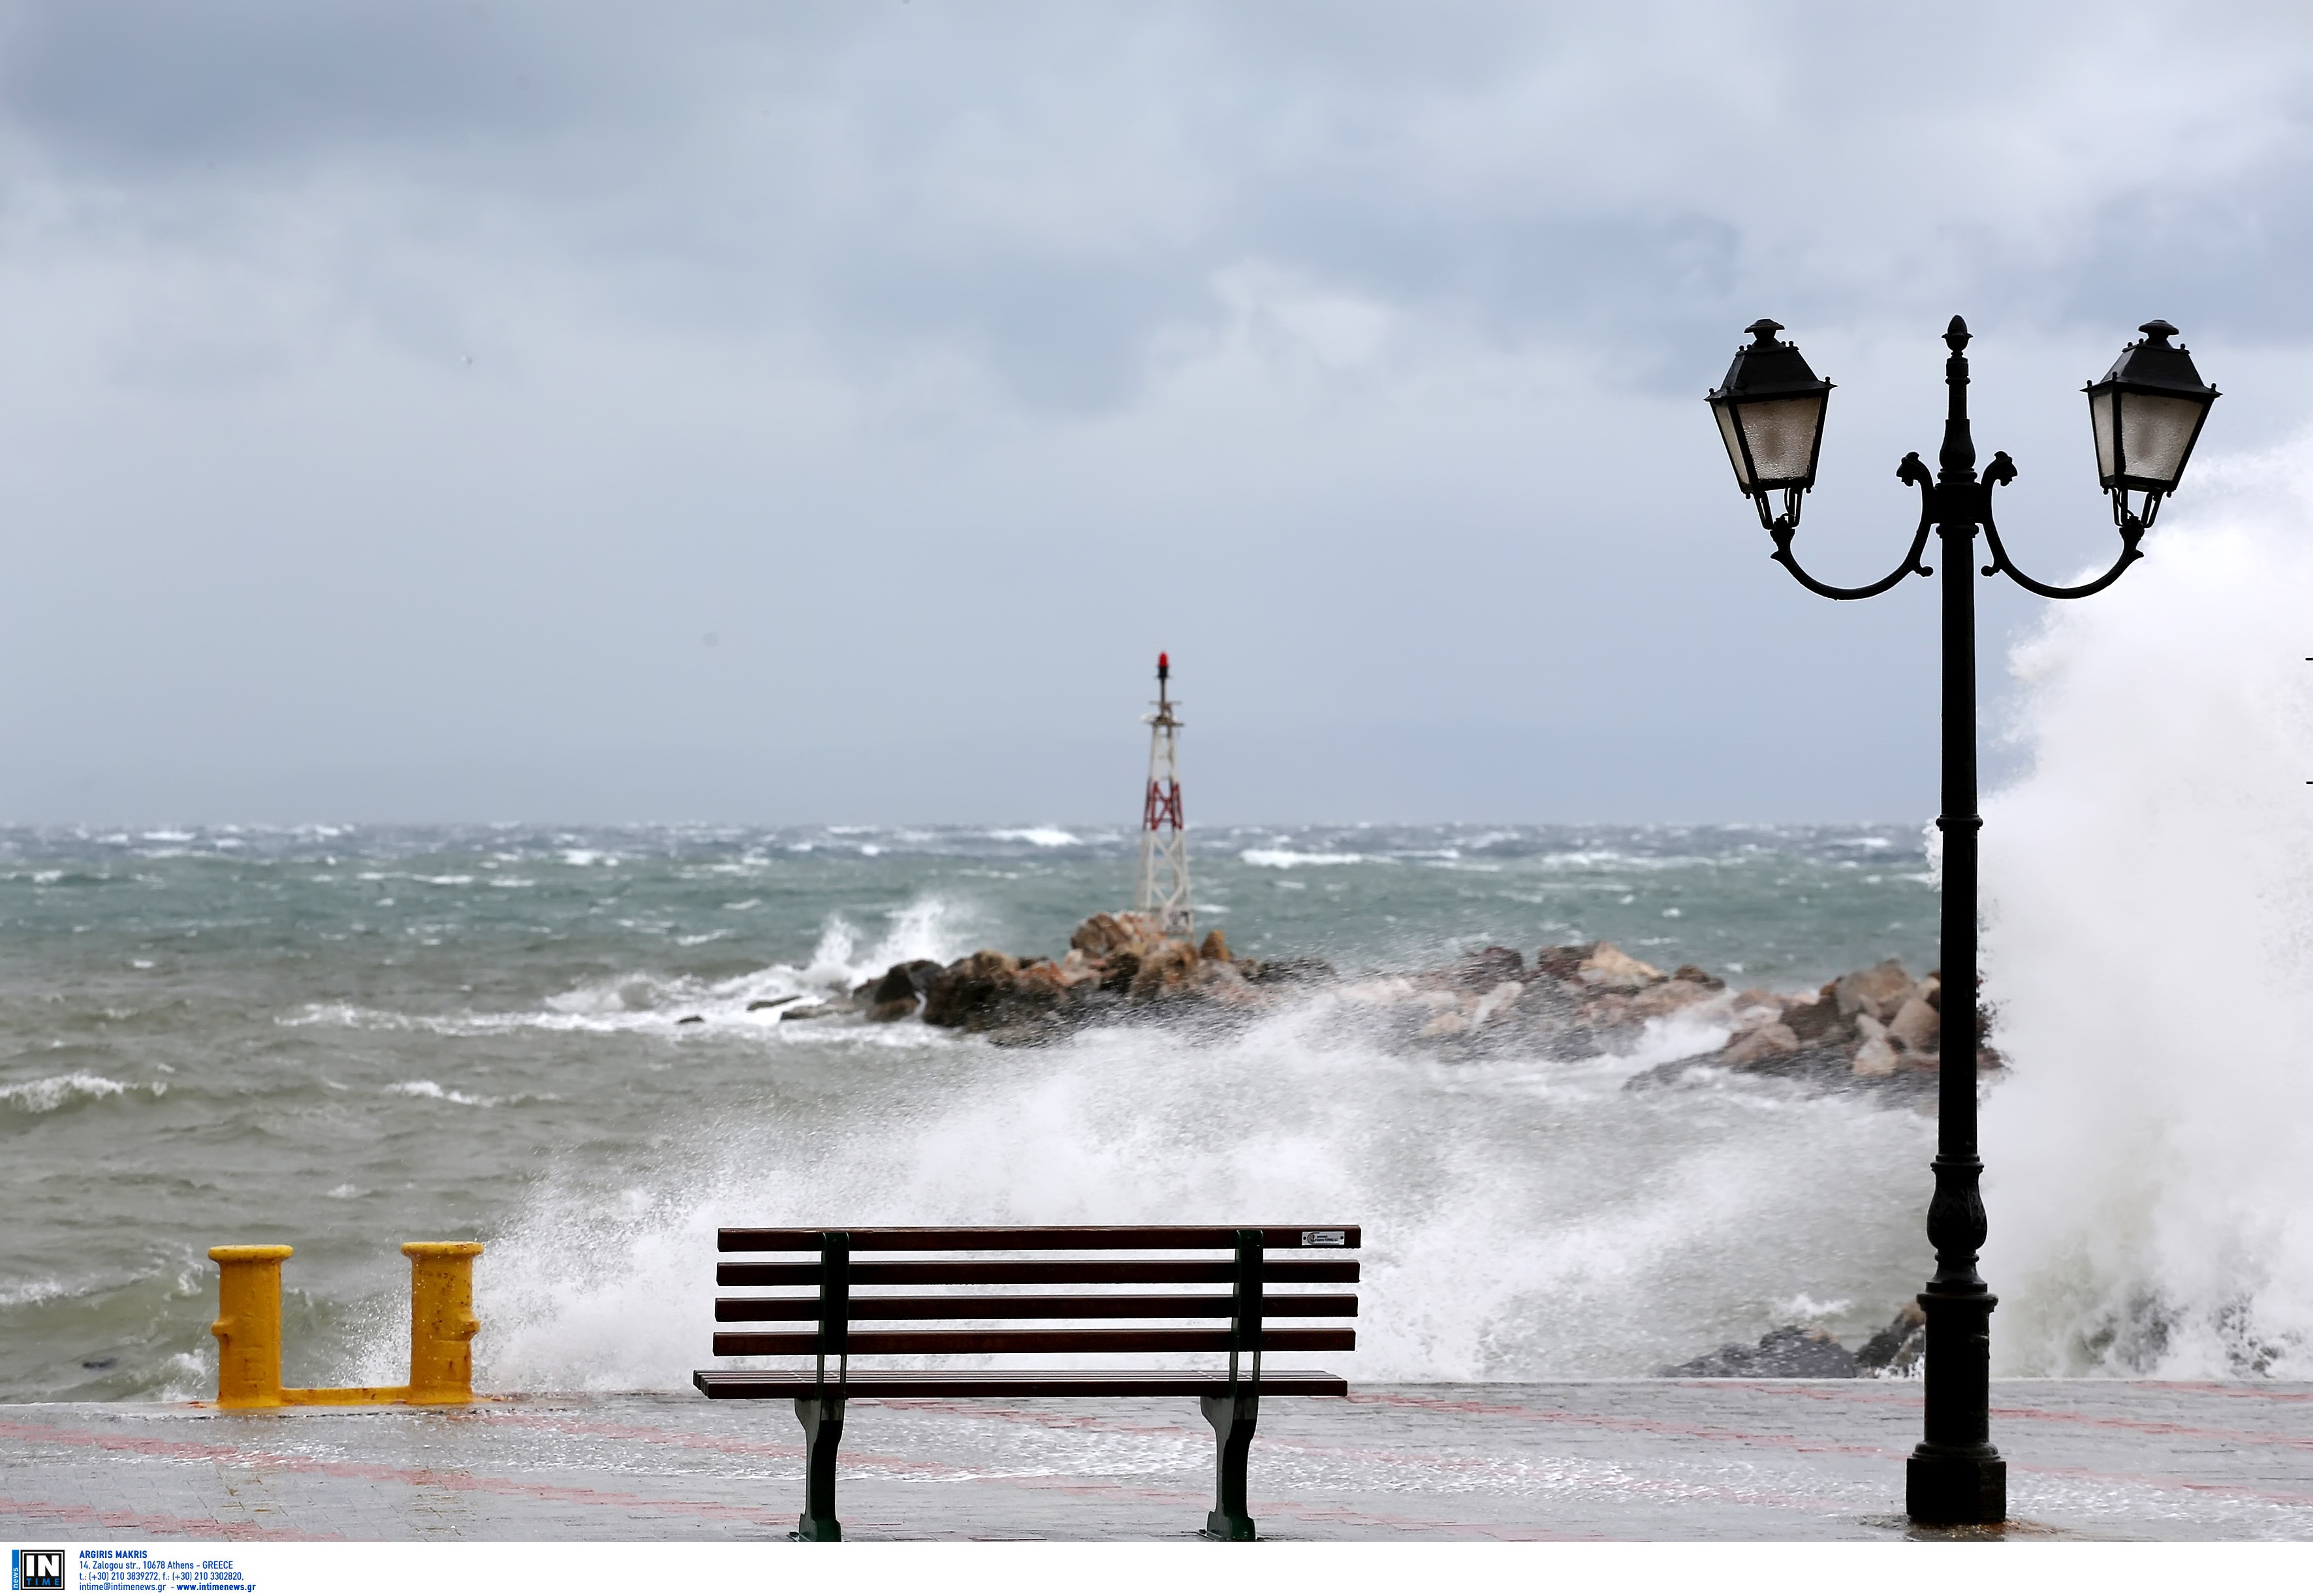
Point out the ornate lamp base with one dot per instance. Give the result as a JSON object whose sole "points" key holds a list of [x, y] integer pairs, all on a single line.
{"points": [[1955, 1486]]}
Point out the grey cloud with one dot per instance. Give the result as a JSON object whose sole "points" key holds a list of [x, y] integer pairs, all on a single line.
{"points": [[133, 84], [1044, 188], [415, 385]]}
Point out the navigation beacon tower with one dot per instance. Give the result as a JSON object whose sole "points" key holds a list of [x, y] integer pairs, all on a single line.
{"points": [[1164, 888]]}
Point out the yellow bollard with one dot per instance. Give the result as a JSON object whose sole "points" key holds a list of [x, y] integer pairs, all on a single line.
{"points": [[442, 1327], [442, 1322], [248, 1325]]}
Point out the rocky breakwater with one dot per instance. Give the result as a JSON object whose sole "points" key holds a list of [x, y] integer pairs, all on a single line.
{"points": [[1118, 968], [1877, 1028], [1792, 1352]]}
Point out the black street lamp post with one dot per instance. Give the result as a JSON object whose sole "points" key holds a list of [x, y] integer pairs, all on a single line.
{"points": [[2146, 413]]}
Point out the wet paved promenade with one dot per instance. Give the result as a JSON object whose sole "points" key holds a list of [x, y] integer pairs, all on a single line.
{"points": [[1637, 1459]]}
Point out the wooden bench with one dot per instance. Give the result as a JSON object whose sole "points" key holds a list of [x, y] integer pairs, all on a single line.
{"points": [[972, 1291]]}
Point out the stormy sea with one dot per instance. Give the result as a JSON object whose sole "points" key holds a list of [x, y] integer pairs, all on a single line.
{"points": [[570, 1044]]}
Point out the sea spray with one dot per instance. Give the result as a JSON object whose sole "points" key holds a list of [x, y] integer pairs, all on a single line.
{"points": [[1523, 1219], [2149, 958]]}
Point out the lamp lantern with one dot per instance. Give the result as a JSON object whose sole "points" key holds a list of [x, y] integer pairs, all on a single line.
{"points": [[2147, 414], [1771, 411]]}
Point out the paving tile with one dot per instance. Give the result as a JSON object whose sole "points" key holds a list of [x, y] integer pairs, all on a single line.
{"points": [[1615, 1459]]}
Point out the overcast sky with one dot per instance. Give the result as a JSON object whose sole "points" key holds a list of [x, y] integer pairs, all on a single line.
{"points": [[826, 411]]}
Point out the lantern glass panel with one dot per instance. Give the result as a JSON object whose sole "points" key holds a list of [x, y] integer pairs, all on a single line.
{"points": [[1726, 414], [2155, 432], [2100, 422], [1782, 435]]}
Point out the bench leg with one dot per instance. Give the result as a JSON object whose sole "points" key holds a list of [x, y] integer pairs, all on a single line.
{"points": [[822, 1431], [1232, 1419]]}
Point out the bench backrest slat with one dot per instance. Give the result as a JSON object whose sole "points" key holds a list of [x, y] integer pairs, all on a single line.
{"points": [[868, 1343], [867, 1310], [1102, 1271], [1006, 1238]]}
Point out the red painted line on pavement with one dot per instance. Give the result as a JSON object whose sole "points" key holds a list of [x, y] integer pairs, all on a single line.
{"points": [[1048, 1420], [854, 1462], [1641, 1426], [2155, 1482], [2221, 1388], [2050, 1416], [2147, 1426], [456, 1479], [2164, 1482], [688, 1440], [1438, 1461], [163, 1525]]}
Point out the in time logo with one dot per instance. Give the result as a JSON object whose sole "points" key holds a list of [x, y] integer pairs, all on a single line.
{"points": [[36, 1570]]}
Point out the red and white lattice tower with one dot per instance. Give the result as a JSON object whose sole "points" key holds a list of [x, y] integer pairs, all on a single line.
{"points": [[1164, 888]]}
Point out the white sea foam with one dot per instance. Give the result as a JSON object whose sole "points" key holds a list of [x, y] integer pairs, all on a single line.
{"points": [[1042, 837], [1287, 858], [435, 1090], [23, 1293], [2149, 913], [46, 1095], [639, 1001]]}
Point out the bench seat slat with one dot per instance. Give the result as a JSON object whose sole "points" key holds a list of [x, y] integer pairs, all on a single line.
{"points": [[1031, 1237], [1318, 1270], [731, 1344], [980, 1305], [752, 1383]]}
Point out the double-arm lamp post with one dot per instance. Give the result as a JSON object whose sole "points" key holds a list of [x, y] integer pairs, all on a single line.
{"points": [[2146, 413]]}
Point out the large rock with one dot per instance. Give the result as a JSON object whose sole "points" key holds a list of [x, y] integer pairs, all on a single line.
{"points": [[1755, 1047], [1214, 946], [1565, 963], [1499, 1000], [1789, 1353], [1488, 967], [1043, 985], [1607, 1011], [1220, 981], [1876, 1058], [1164, 972], [970, 986], [1117, 970], [1917, 1027], [1670, 996], [1099, 936], [1899, 1348], [1608, 969], [894, 997], [1284, 972], [1821, 1024], [1878, 992]]}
